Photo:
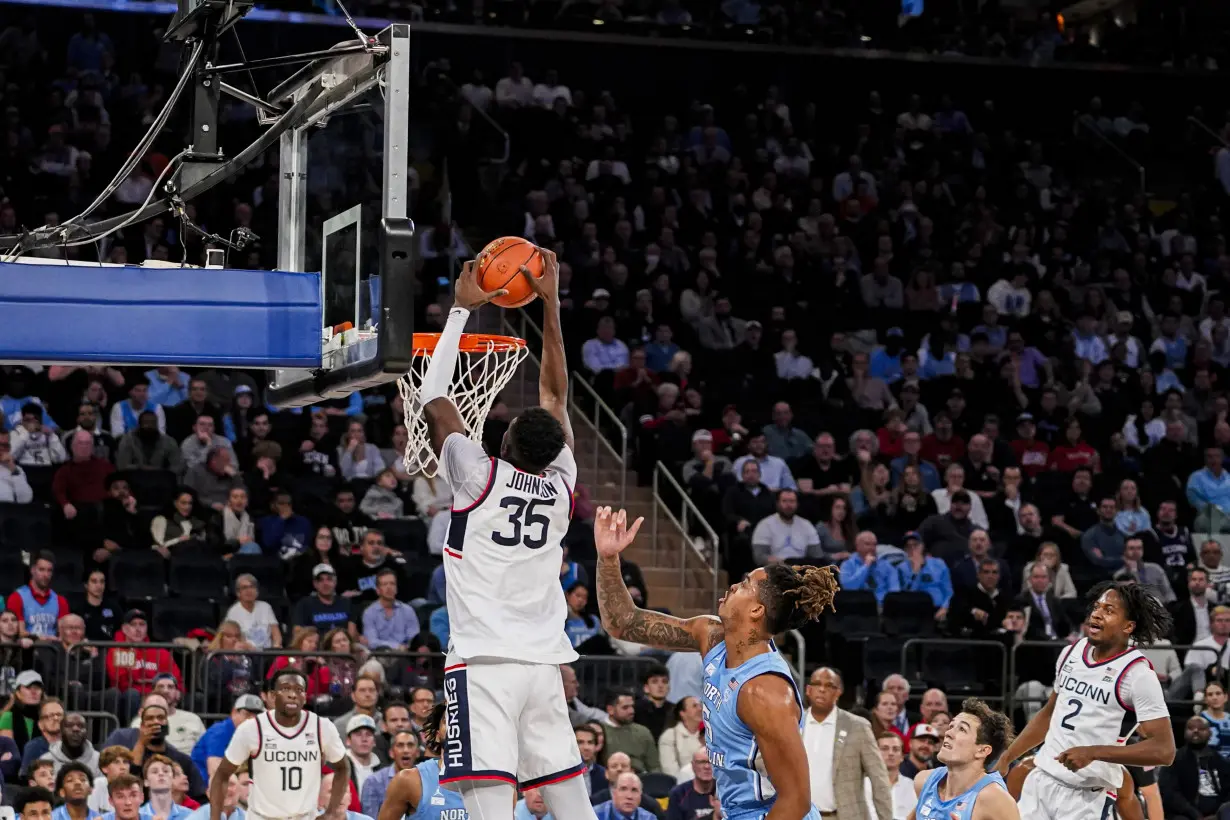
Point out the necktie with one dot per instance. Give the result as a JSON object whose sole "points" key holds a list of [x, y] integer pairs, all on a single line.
{"points": [[1045, 612]]}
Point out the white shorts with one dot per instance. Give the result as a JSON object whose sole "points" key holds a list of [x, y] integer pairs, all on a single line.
{"points": [[1045, 798], [507, 720]]}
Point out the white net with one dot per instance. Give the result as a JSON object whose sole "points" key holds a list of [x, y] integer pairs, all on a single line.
{"points": [[484, 367]]}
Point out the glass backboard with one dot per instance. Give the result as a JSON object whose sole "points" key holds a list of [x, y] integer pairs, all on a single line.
{"points": [[344, 212]]}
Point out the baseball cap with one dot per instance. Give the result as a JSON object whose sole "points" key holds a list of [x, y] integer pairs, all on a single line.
{"points": [[919, 730], [359, 722], [251, 703], [702, 435], [1126, 316], [29, 678], [601, 293], [161, 676], [240, 389], [895, 331], [756, 324], [322, 569], [912, 535], [134, 614], [1024, 417]]}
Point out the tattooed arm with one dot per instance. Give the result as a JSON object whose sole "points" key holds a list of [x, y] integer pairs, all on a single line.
{"points": [[621, 617]]}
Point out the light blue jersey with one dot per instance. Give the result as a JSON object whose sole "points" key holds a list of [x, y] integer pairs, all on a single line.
{"points": [[961, 807], [436, 803], [742, 782], [1221, 733]]}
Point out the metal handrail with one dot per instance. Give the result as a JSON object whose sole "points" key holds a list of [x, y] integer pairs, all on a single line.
{"points": [[690, 510], [1005, 666], [800, 657], [600, 406], [1124, 155], [503, 158], [1199, 123]]}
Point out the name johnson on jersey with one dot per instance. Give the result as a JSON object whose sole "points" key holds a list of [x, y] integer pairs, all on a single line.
{"points": [[532, 485]]}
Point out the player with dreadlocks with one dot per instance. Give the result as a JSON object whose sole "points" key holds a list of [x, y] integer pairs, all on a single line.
{"points": [[415, 794], [1105, 690], [753, 713]]}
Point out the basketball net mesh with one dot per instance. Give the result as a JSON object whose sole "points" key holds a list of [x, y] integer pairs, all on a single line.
{"points": [[481, 375]]}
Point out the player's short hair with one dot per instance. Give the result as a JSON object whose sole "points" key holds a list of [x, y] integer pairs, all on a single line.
{"points": [[30, 796], [614, 694], [122, 782], [153, 760], [792, 596], [69, 768], [535, 438], [431, 728], [1142, 607], [111, 754], [994, 728], [289, 672]]}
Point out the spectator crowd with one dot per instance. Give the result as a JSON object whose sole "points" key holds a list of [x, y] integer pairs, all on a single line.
{"points": [[929, 343]]}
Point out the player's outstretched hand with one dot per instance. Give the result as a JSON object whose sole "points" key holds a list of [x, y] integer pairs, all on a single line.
{"points": [[546, 287], [611, 532], [468, 294]]}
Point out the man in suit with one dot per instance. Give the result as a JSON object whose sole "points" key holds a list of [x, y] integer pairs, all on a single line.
{"points": [[841, 752], [1044, 614], [978, 611], [1191, 612]]}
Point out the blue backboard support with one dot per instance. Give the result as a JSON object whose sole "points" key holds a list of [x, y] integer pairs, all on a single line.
{"points": [[203, 317]]}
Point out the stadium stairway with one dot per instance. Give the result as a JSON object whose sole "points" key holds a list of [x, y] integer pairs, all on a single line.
{"points": [[686, 590]]}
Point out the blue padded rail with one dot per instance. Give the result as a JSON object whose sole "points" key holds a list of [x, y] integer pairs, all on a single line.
{"points": [[183, 316]]}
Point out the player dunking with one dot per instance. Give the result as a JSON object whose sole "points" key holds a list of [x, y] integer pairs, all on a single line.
{"points": [[753, 712], [415, 794], [285, 749], [1105, 690], [961, 789], [506, 711]]}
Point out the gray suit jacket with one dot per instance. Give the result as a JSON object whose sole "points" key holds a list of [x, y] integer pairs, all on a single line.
{"points": [[856, 756]]}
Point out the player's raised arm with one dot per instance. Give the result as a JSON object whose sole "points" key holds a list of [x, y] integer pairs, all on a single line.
{"points": [[553, 374], [621, 617], [438, 409], [767, 705]]}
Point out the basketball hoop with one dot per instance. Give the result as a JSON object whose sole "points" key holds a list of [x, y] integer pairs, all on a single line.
{"points": [[484, 367]]}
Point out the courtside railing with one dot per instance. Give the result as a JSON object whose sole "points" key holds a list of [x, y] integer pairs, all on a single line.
{"points": [[690, 524]]}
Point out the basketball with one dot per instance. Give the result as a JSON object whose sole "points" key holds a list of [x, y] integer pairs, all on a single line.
{"points": [[501, 268]]}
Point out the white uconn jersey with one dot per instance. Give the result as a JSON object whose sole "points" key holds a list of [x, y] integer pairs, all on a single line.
{"points": [[1098, 704], [285, 763], [503, 553]]}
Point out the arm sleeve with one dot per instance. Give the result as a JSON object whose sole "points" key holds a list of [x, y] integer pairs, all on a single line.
{"points": [[466, 467], [244, 743], [1140, 689]]}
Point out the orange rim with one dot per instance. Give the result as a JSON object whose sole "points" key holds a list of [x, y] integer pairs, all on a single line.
{"points": [[425, 343]]}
